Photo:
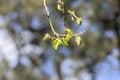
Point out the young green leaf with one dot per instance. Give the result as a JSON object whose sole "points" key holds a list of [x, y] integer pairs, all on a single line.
{"points": [[78, 40], [68, 37], [79, 21], [56, 43], [64, 42], [69, 34], [46, 37], [69, 31]]}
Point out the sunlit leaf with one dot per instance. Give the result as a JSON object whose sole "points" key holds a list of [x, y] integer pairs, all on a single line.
{"points": [[68, 37], [68, 31], [56, 43], [46, 37], [79, 21], [64, 42]]}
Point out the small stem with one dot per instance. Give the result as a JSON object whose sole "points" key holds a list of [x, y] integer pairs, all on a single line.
{"points": [[72, 13], [81, 32], [63, 11], [48, 15]]}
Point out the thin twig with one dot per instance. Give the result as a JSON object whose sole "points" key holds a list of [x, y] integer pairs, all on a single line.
{"points": [[48, 15], [63, 11], [72, 13], [82, 32]]}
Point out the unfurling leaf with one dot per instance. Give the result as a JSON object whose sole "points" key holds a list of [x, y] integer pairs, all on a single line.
{"points": [[56, 43], [68, 37], [78, 40], [69, 31], [46, 37], [69, 34], [79, 21], [64, 42]]}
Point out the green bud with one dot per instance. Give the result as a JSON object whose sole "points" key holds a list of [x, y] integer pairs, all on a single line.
{"points": [[59, 7], [79, 21], [72, 18], [78, 40], [46, 37]]}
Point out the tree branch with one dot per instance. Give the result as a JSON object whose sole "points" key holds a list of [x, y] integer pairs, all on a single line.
{"points": [[48, 15], [72, 13]]}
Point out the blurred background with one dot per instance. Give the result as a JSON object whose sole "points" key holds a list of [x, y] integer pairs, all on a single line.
{"points": [[23, 55]]}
